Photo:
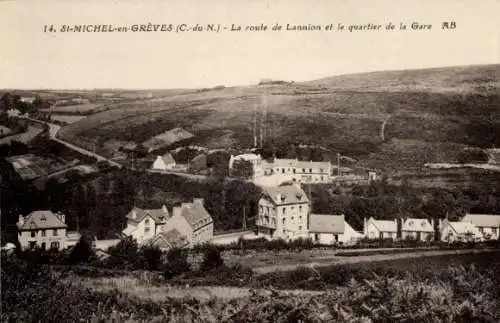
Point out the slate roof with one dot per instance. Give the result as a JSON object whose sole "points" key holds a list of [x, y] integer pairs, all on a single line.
{"points": [[194, 213], [483, 220], [42, 219], [156, 214], [168, 159], [385, 225], [326, 223], [289, 194], [464, 227], [414, 224], [170, 239]]}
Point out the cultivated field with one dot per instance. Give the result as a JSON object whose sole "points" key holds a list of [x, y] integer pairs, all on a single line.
{"points": [[434, 114]]}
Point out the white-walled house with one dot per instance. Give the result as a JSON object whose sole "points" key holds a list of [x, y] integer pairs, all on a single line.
{"points": [[256, 161], [417, 229], [44, 229], [380, 229], [299, 171], [192, 221], [164, 162], [487, 224], [283, 213], [143, 224], [331, 229], [459, 231]]}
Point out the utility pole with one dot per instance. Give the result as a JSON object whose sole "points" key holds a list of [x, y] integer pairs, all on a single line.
{"points": [[244, 218]]}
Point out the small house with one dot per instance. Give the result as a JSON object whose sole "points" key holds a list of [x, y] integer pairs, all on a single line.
{"points": [[380, 229], [487, 224], [331, 229], [165, 162]]}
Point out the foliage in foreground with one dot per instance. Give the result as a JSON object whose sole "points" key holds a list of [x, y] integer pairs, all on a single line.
{"points": [[32, 293]]}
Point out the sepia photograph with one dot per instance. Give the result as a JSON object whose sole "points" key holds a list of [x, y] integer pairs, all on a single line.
{"points": [[250, 161]]}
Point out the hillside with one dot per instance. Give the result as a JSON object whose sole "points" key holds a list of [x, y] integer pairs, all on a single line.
{"points": [[449, 107]]}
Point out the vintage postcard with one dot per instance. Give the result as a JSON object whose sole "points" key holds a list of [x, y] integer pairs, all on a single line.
{"points": [[250, 161]]}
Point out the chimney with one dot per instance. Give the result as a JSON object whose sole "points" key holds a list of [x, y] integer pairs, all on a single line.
{"points": [[62, 217], [198, 201], [278, 197], [164, 208], [364, 226], [21, 220], [134, 214], [176, 211]]}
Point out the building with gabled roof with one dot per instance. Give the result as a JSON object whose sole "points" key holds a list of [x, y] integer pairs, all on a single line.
{"points": [[418, 229], [283, 212], [144, 224], [380, 229], [487, 224], [331, 229], [164, 162], [459, 231], [166, 240], [45, 230], [193, 221]]}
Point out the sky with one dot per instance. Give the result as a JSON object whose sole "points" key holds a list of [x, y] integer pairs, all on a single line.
{"points": [[30, 58]]}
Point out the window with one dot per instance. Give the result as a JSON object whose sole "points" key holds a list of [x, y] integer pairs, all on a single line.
{"points": [[303, 170], [494, 230], [291, 207], [300, 207], [54, 245], [481, 230], [32, 244], [284, 209], [283, 170], [310, 170], [44, 246], [291, 218], [294, 170], [283, 220], [147, 229], [33, 234], [54, 232], [43, 234], [147, 221], [321, 170], [300, 227]]}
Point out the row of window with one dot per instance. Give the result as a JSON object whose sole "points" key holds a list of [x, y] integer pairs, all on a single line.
{"points": [[493, 230], [33, 234], [294, 170], [53, 245], [268, 209]]}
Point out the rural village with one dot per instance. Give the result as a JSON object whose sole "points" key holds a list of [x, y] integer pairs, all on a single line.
{"points": [[92, 188]]}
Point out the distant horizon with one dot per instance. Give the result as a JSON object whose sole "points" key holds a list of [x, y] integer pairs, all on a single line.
{"points": [[251, 84]]}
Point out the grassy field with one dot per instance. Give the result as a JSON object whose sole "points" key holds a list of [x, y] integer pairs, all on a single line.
{"points": [[434, 114]]}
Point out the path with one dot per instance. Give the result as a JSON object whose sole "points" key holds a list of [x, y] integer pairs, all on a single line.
{"points": [[53, 129], [339, 260]]}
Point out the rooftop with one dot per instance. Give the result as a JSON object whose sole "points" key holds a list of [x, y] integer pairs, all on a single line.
{"points": [[195, 212], [42, 219], [483, 220], [138, 214], [385, 225], [170, 239], [288, 194], [413, 224]]}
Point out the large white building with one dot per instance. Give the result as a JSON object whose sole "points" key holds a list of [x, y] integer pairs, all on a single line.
{"points": [[284, 170], [283, 213], [45, 230]]}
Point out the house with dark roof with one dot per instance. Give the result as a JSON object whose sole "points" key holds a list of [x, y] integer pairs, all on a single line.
{"points": [[487, 224], [144, 224], [45, 230], [328, 229], [166, 240], [283, 212], [192, 221]]}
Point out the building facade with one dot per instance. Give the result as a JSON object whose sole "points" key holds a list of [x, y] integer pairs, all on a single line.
{"points": [[487, 224], [192, 221], [417, 229], [142, 225], [329, 229], [300, 171], [459, 231], [283, 213], [165, 162], [380, 229], [43, 230]]}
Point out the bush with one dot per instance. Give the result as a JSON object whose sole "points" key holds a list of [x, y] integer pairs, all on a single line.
{"points": [[176, 263], [150, 258], [82, 252], [125, 254], [211, 258]]}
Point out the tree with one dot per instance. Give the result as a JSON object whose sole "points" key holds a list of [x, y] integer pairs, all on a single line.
{"points": [[242, 169], [125, 253], [176, 263], [211, 258], [151, 257], [82, 252]]}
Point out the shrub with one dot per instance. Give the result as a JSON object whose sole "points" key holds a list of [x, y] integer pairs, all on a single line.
{"points": [[125, 254], [176, 263], [150, 257], [211, 258], [82, 252]]}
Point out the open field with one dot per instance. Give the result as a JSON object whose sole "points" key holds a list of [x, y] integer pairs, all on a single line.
{"points": [[434, 114], [67, 118]]}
